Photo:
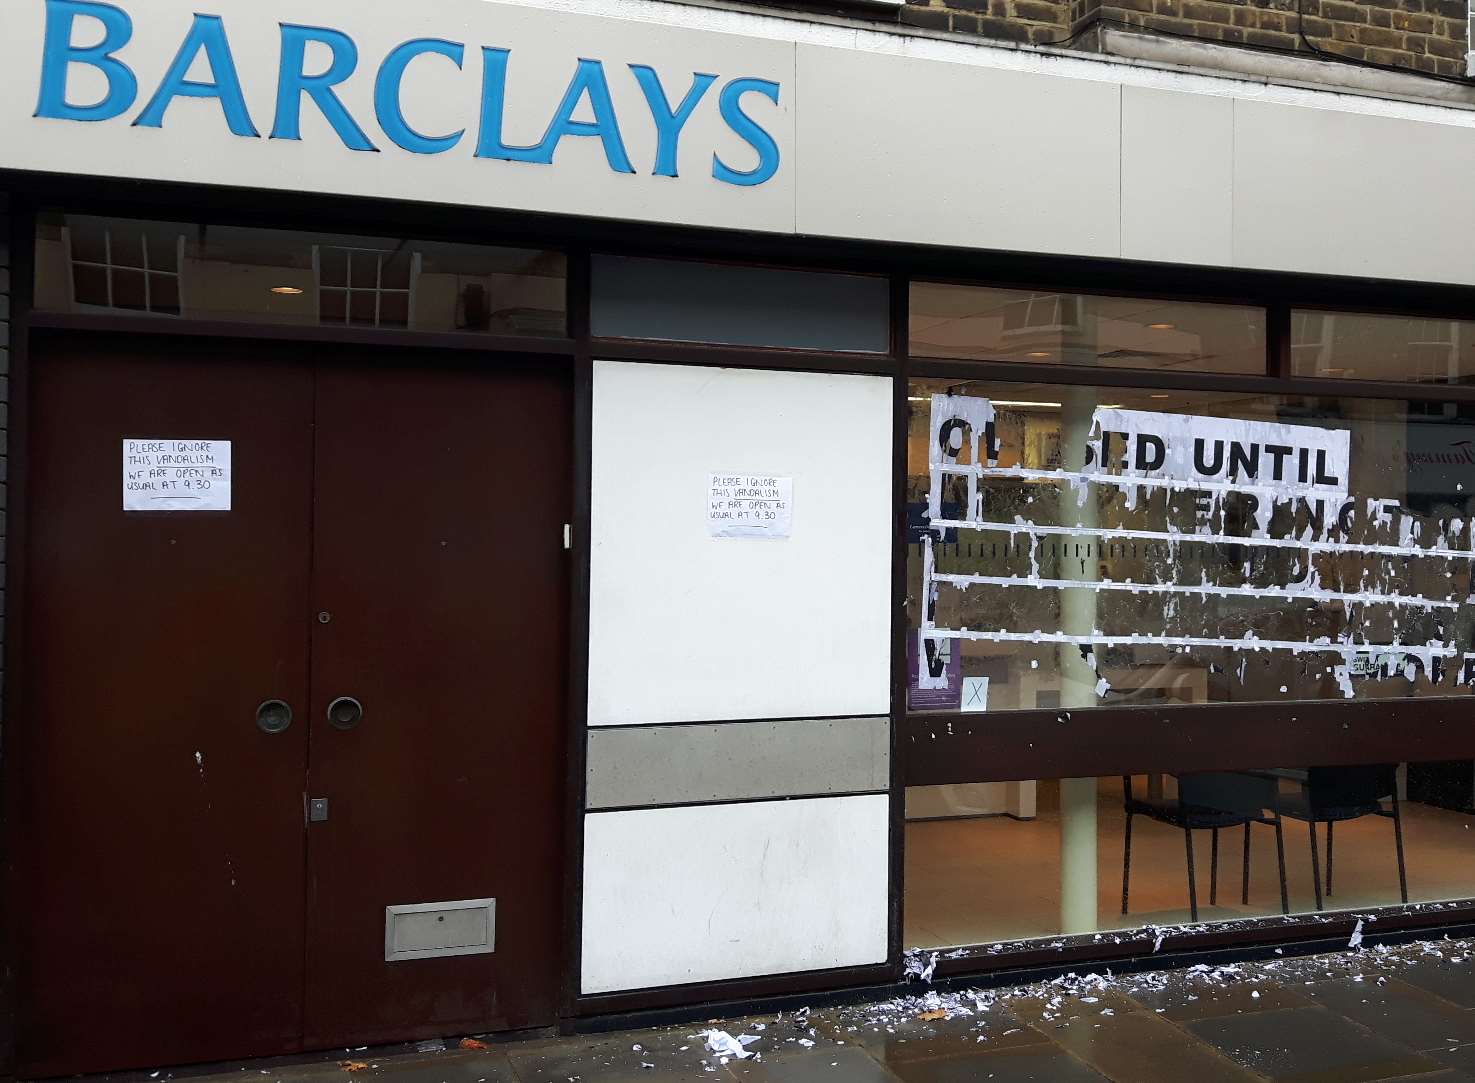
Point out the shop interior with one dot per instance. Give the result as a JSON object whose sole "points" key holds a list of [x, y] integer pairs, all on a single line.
{"points": [[993, 872]]}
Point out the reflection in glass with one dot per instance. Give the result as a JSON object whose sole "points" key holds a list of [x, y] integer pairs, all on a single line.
{"points": [[684, 300], [1356, 346], [215, 272], [988, 324]]}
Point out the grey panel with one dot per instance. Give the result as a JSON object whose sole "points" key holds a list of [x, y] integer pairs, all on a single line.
{"points": [[631, 766], [434, 930]]}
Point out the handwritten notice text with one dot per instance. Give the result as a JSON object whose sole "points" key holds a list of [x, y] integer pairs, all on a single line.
{"points": [[749, 506], [176, 475]]}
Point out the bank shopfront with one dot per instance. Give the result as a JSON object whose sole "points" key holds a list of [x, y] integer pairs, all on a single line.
{"points": [[526, 513]]}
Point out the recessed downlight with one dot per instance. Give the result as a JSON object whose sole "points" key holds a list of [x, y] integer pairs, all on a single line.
{"points": [[286, 291]]}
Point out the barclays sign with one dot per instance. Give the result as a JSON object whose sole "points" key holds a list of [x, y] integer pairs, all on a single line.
{"points": [[88, 75]]}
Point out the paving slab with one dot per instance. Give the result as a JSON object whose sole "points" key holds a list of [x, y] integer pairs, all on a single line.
{"points": [[1308, 1045]]}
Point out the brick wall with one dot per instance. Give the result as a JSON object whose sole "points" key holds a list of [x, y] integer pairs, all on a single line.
{"points": [[1038, 21], [1416, 35]]}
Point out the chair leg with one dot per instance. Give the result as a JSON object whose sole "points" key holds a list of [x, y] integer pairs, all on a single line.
{"points": [[1214, 867], [1398, 838], [1280, 857], [1192, 884], [1127, 863], [1315, 863], [1329, 826], [1244, 895]]}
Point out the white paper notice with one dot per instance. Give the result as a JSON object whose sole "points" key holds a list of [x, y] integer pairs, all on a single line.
{"points": [[176, 475], [975, 694], [749, 506]]}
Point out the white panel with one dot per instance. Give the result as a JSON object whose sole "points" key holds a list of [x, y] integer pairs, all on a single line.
{"points": [[710, 892], [687, 627], [1005, 159], [194, 143], [1342, 193], [1177, 176]]}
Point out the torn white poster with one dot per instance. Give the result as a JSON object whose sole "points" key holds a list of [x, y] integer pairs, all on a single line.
{"points": [[749, 506], [176, 475], [959, 424], [1214, 452]]}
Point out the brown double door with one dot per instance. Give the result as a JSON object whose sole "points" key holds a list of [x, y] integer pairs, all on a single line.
{"points": [[394, 538]]}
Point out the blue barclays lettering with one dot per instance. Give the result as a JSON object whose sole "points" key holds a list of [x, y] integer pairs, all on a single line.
{"points": [[206, 35], [588, 82], [58, 54], [387, 108], [587, 93], [748, 129], [493, 106], [293, 82], [669, 122]]}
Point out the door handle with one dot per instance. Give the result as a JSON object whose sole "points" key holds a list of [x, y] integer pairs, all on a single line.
{"points": [[345, 712], [273, 716]]}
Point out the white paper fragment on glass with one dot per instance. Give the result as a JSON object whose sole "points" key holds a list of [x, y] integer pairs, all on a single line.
{"points": [[176, 475], [1356, 941], [749, 506], [975, 693], [960, 430]]}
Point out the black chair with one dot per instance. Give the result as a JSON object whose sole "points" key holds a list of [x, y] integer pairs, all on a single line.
{"points": [[1209, 801], [1331, 794]]}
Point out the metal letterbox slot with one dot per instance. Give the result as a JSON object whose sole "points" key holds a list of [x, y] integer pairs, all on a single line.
{"points": [[432, 930]]}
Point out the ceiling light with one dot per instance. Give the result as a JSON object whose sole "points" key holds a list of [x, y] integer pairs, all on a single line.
{"points": [[1162, 326], [1038, 353], [1026, 402], [1110, 406], [286, 291], [1159, 395]]}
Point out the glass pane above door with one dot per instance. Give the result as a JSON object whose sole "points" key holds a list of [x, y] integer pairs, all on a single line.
{"points": [[200, 271]]}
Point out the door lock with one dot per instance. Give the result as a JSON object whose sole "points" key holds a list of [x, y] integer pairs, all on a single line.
{"points": [[344, 713], [273, 716], [317, 809]]}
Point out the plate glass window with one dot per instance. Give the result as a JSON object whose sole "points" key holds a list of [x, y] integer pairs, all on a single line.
{"points": [[1092, 546], [985, 323], [1359, 346], [738, 305], [203, 271]]}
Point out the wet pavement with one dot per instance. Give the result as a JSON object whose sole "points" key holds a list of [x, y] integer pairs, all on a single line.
{"points": [[1405, 1012]]}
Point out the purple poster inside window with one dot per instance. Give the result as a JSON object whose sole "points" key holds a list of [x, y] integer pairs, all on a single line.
{"points": [[945, 668]]}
